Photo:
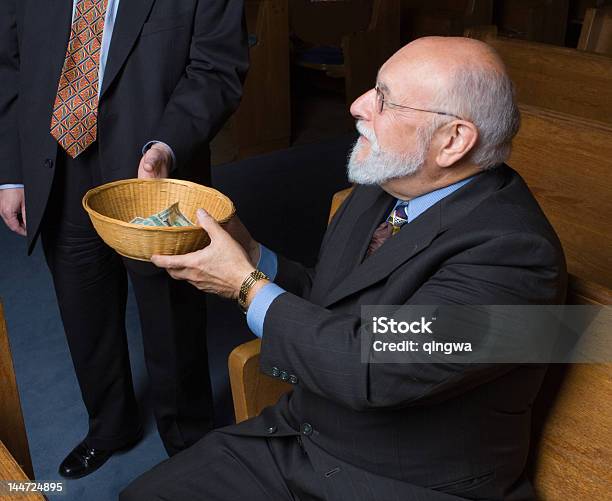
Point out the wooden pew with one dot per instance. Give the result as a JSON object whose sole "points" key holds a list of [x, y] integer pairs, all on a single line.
{"points": [[366, 51], [15, 461], [535, 20], [366, 33], [596, 33], [326, 23], [572, 421], [557, 78], [443, 18], [262, 122], [566, 161]]}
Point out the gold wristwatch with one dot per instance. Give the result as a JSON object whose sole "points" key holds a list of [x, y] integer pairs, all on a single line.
{"points": [[247, 285]]}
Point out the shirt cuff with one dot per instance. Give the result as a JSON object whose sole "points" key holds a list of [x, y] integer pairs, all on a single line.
{"points": [[10, 186], [147, 146], [258, 308], [268, 262]]}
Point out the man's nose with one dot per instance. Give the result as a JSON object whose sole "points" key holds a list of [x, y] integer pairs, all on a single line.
{"points": [[362, 107]]}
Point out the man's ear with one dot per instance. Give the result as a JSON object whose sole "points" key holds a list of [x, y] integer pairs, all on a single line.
{"points": [[457, 140]]}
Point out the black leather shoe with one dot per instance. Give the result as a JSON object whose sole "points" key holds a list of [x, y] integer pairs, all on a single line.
{"points": [[84, 460]]}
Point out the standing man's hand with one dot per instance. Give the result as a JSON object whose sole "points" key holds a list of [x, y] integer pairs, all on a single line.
{"points": [[12, 209], [156, 163]]}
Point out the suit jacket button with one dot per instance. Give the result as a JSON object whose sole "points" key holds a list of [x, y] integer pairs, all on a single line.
{"points": [[284, 375], [271, 430], [49, 163], [275, 371], [293, 379], [306, 429]]}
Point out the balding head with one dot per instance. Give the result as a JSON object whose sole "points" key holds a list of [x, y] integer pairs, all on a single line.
{"points": [[464, 77], [447, 53]]}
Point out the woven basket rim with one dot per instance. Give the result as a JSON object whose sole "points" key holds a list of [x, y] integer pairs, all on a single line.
{"points": [[99, 189]]}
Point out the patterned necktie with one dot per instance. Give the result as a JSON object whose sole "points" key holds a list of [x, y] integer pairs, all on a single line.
{"points": [[395, 221], [75, 112]]}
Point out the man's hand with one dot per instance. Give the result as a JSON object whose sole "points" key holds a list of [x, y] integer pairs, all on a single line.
{"points": [[12, 209], [155, 163], [219, 268]]}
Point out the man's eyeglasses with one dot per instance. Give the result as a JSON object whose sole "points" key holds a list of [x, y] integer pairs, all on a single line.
{"points": [[381, 102]]}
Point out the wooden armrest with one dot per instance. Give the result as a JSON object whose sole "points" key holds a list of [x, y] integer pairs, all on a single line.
{"points": [[251, 390], [337, 200]]}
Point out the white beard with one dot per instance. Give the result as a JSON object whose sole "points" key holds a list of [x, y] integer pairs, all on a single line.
{"points": [[382, 166]]}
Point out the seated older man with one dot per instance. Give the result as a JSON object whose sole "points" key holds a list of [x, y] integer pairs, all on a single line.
{"points": [[436, 219]]}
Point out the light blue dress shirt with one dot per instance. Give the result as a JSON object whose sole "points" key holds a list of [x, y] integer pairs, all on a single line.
{"points": [[107, 34], [268, 262]]}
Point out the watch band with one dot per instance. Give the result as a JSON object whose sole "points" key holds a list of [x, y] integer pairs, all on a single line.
{"points": [[247, 285]]}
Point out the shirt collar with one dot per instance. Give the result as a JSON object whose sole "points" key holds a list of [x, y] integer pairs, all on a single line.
{"points": [[420, 204]]}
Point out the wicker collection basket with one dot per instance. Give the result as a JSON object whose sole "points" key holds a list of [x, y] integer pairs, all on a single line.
{"points": [[111, 207]]}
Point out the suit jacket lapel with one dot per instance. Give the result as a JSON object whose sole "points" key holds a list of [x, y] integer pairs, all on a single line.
{"points": [[412, 238], [351, 243], [130, 18]]}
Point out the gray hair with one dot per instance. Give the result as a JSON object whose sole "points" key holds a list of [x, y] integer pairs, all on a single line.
{"points": [[485, 97]]}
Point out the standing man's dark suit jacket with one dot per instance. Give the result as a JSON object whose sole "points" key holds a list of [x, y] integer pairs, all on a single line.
{"points": [[458, 430], [149, 92]]}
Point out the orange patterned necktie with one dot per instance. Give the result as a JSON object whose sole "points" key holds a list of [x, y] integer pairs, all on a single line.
{"points": [[75, 112]]}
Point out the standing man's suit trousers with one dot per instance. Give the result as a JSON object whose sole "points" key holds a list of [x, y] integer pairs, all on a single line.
{"points": [[91, 285]]}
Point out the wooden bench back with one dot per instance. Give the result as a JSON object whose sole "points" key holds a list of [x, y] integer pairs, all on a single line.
{"points": [[325, 23], [556, 78], [566, 161], [537, 20], [444, 18], [262, 122], [365, 51], [572, 421], [12, 428]]}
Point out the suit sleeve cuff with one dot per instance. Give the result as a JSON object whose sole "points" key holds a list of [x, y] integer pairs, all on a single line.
{"points": [[268, 262], [256, 314], [10, 186], [146, 147]]}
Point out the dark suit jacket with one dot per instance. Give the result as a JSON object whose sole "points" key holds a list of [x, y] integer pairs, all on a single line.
{"points": [[173, 74], [418, 430]]}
